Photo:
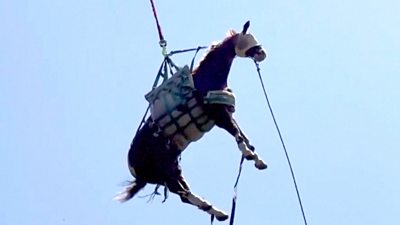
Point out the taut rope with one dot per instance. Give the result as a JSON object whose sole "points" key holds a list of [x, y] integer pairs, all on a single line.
{"points": [[283, 143], [162, 42]]}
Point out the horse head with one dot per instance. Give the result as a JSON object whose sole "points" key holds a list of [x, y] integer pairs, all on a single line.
{"points": [[246, 45]]}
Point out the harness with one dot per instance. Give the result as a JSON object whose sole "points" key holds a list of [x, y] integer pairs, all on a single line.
{"points": [[178, 110]]}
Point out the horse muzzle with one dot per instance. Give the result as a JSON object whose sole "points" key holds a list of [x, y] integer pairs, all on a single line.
{"points": [[258, 57], [257, 53]]}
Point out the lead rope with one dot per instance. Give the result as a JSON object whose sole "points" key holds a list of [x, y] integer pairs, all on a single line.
{"points": [[283, 143]]}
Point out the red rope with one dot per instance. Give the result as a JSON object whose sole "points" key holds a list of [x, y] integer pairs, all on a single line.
{"points": [[163, 43]]}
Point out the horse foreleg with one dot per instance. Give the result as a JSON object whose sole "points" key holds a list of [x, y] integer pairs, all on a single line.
{"points": [[181, 188], [249, 153], [251, 147], [248, 150], [227, 122]]}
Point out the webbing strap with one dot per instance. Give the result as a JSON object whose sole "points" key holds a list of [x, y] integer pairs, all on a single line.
{"points": [[233, 210], [186, 50], [160, 73], [194, 57]]}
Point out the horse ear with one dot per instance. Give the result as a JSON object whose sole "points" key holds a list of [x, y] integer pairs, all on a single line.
{"points": [[245, 27]]}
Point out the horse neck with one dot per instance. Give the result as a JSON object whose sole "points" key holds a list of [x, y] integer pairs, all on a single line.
{"points": [[213, 71]]}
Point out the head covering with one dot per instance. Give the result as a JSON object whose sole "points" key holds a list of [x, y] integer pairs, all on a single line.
{"points": [[245, 42]]}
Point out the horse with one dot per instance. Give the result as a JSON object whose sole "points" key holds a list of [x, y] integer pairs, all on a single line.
{"points": [[154, 157]]}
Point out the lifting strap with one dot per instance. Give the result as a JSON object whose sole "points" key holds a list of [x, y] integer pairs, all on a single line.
{"points": [[233, 210], [162, 42]]}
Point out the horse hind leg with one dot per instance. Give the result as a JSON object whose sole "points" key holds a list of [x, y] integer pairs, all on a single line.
{"points": [[130, 191], [193, 199], [181, 188]]}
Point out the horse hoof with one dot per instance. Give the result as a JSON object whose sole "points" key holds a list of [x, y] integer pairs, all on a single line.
{"points": [[261, 165], [222, 217]]}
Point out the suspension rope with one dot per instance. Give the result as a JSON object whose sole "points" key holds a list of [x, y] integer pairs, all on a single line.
{"points": [[283, 143], [162, 42]]}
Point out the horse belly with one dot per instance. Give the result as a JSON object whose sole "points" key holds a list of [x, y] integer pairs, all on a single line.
{"points": [[149, 158]]}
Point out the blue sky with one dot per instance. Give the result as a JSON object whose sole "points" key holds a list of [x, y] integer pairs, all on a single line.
{"points": [[72, 79]]}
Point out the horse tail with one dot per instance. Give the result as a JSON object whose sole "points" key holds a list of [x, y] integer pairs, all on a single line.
{"points": [[130, 191]]}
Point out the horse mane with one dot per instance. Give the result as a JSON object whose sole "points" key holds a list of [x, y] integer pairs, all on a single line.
{"points": [[216, 47]]}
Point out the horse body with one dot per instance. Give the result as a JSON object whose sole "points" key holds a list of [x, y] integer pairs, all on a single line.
{"points": [[154, 158]]}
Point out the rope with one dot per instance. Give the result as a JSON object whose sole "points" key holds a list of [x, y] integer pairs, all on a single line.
{"points": [[283, 143], [162, 42], [160, 34]]}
